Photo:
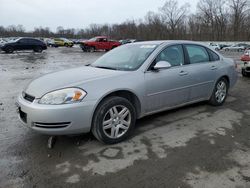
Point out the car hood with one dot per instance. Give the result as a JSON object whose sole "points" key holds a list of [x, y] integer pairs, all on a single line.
{"points": [[68, 78]]}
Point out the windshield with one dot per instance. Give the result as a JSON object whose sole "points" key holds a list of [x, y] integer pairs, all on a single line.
{"points": [[127, 58], [93, 39]]}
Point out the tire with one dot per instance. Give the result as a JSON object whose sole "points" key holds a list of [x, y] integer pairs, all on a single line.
{"points": [[38, 49], [9, 50], [66, 44], [91, 49], [120, 117], [220, 92]]}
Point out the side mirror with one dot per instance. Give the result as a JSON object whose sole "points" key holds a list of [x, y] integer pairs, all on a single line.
{"points": [[162, 65]]}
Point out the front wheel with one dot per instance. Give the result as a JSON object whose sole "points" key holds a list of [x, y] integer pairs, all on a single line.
{"points": [[220, 92], [9, 50], [113, 120]]}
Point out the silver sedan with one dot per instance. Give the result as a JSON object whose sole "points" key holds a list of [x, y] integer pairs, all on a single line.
{"points": [[128, 83]]}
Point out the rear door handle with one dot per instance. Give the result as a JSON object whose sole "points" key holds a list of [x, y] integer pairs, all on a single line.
{"points": [[183, 73], [213, 67]]}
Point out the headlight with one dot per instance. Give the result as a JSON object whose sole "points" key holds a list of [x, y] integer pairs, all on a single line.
{"points": [[63, 96]]}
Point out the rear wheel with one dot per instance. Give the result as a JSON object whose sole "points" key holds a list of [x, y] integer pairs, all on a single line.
{"points": [[9, 50], [66, 44], [113, 120], [38, 49], [220, 92]]}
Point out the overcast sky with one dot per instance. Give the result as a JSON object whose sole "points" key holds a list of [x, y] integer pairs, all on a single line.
{"points": [[75, 13]]}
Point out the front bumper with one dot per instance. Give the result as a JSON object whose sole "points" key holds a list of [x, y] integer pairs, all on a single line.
{"points": [[56, 119]]}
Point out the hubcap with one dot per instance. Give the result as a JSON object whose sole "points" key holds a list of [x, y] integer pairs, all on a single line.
{"points": [[221, 91], [116, 121]]}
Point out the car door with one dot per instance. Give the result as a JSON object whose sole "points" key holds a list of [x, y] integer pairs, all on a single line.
{"points": [[202, 68], [31, 43], [167, 88], [22, 44]]}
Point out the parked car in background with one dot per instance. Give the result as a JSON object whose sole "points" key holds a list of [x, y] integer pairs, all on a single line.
{"points": [[246, 46], [246, 67], [222, 46], [2, 40], [237, 47], [127, 41], [77, 41], [215, 47], [63, 42], [50, 42], [23, 44], [125, 84], [99, 43]]}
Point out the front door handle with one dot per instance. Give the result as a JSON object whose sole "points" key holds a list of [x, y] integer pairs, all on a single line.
{"points": [[213, 67], [183, 73]]}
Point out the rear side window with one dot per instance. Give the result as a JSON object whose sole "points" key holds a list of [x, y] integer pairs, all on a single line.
{"points": [[213, 56], [197, 54]]}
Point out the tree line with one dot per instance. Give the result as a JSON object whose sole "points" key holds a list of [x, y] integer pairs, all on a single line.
{"points": [[214, 20]]}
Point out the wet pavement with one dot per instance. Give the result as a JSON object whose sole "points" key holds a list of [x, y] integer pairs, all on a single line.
{"points": [[195, 146]]}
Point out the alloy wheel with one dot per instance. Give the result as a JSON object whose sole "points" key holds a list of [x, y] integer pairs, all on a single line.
{"points": [[116, 121], [221, 91]]}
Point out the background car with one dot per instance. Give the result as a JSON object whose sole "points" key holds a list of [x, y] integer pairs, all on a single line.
{"points": [[127, 41], [50, 42], [246, 67], [23, 44], [237, 47], [215, 47], [99, 43], [63, 42], [126, 84]]}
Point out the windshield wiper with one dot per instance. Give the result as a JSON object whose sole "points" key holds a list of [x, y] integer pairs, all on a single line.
{"points": [[103, 67]]}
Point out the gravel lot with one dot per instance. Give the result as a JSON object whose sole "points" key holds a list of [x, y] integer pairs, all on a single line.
{"points": [[195, 146]]}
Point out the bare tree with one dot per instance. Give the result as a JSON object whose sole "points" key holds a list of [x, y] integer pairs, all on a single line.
{"points": [[239, 9], [174, 16]]}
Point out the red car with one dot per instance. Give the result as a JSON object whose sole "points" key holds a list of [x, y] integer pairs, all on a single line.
{"points": [[246, 59], [99, 43], [246, 56]]}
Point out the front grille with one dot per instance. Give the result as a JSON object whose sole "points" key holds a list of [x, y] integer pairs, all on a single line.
{"points": [[51, 125], [28, 97]]}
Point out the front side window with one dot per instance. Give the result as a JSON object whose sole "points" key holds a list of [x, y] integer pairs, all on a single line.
{"points": [[197, 54], [172, 54], [24, 41]]}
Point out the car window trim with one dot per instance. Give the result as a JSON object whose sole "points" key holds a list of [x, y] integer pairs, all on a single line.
{"points": [[211, 56]]}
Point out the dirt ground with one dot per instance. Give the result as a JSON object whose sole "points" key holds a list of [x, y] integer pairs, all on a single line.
{"points": [[196, 146]]}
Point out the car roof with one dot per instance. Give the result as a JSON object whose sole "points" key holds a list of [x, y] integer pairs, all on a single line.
{"points": [[159, 42]]}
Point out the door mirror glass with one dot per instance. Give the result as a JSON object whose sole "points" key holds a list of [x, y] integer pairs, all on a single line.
{"points": [[162, 65]]}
